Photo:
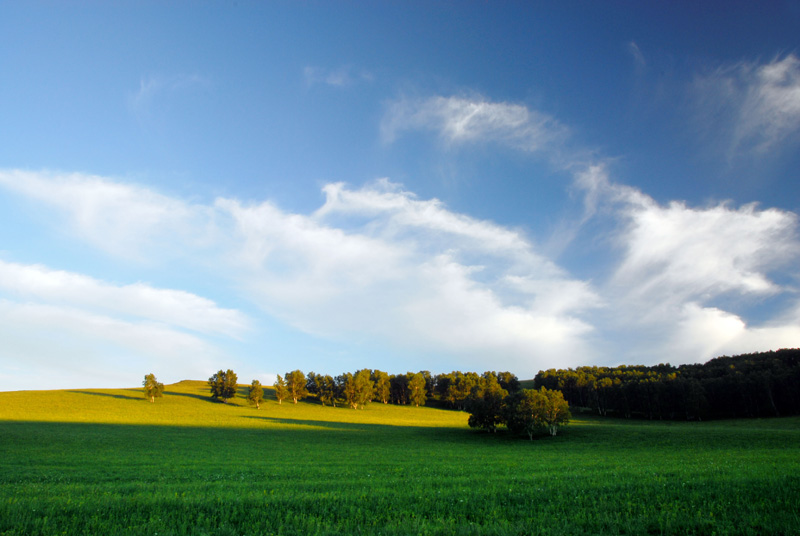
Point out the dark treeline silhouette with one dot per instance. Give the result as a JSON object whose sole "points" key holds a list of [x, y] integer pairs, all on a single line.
{"points": [[765, 384]]}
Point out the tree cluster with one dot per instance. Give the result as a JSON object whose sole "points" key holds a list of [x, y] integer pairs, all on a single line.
{"points": [[223, 385], [497, 399], [750, 385]]}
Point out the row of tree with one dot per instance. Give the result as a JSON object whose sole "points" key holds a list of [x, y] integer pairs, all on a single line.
{"points": [[492, 399], [751, 385], [359, 388]]}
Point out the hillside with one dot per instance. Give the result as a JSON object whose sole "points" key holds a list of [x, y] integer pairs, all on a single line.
{"points": [[187, 403]]}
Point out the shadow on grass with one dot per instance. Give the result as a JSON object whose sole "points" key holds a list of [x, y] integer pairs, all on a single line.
{"points": [[205, 398], [331, 425], [111, 395]]}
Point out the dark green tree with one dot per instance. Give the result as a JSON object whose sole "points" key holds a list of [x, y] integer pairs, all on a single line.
{"points": [[281, 392], [312, 383], [486, 403], [152, 388], [255, 396], [296, 383], [326, 389], [534, 412], [223, 385], [524, 411]]}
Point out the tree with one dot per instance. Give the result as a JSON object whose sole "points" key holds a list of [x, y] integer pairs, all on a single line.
{"points": [[281, 392], [382, 386], [312, 383], [152, 388], [255, 396], [523, 412], [296, 383], [326, 389], [416, 389], [358, 388], [532, 412], [556, 410], [398, 385], [223, 385], [486, 403]]}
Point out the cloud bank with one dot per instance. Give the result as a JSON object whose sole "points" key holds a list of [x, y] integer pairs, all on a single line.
{"points": [[377, 263]]}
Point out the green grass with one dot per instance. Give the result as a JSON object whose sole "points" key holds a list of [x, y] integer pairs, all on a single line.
{"points": [[109, 462]]}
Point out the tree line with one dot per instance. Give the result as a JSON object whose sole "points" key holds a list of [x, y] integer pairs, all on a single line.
{"points": [[493, 399], [763, 384]]}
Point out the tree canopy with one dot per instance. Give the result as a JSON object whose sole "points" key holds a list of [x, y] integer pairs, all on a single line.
{"points": [[296, 384], [749, 385], [152, 388], [281, 392], [255, 395], [223, 385]]}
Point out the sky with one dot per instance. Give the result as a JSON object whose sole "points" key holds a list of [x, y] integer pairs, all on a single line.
{"points": [[329, 186]]}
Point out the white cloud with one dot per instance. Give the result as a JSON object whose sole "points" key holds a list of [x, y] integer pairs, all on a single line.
{"points": [[411, 272], [460, 120], [167, 306], [48, 346], [679, 263], [122, 219], [377, 264], [753, 107]]}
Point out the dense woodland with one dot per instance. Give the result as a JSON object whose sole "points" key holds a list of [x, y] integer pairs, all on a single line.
{"points": [[765, 384]]}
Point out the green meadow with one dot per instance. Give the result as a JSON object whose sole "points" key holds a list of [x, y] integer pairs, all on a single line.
{"points": [[110, 462]]}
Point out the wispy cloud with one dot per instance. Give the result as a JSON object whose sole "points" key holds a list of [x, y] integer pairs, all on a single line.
{"points": [[461, 120], [123, 219], [340, 77], [753, 106], [378, 264], [678, 264], [48, 345], [170, 307], [374, 262], [151, 85], [636, 54]]}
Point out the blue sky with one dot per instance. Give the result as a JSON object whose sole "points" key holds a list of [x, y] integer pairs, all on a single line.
{"points": [[445, 186]]}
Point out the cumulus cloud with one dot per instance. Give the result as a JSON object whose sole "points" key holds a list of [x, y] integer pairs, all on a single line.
{"points": [[461, 120], [753, 106]]}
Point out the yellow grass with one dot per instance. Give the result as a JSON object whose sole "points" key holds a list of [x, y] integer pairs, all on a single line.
{"points": [[188, 403]]}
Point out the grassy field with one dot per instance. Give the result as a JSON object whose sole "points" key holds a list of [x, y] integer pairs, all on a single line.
{"points": [[110, 462]]}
